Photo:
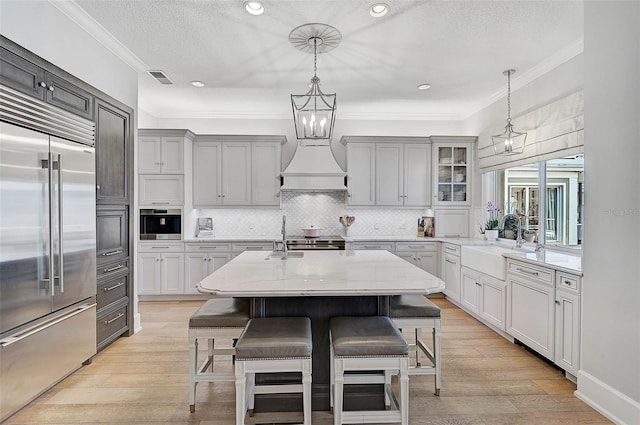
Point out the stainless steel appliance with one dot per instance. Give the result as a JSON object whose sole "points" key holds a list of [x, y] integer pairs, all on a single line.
{"points": [[47, 248], [321, 243], [160, 224]]}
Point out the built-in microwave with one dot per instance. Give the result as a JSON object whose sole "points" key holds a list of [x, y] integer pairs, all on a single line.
{"points": [[160, 224]]}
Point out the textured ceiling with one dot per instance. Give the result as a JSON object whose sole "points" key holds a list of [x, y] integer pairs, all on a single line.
{"points": [[250, 68]]}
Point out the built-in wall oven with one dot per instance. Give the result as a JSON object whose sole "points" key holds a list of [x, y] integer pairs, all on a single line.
{"points": [[160, 224]]}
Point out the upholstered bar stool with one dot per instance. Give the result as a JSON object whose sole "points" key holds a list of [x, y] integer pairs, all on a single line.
{"points": [[418, 312], [368, 343], [273, 345], [219, 319]]}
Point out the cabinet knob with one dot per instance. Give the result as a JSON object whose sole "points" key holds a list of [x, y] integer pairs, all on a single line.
{"points": [[42, 84], [51, 88], [557, 302]]}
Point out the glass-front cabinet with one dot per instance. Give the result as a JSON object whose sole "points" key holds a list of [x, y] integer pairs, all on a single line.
{"points": [[452, 180]]}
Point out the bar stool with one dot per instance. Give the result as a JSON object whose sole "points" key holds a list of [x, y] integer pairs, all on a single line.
{"points": [[418, 312], [368, 343], [273, 345], [217, 319]]}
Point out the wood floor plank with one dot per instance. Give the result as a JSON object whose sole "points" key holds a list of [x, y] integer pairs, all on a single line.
{"points": [[142, 380]]}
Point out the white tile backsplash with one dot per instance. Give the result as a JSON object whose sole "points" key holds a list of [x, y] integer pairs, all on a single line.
{"points": [[321, 210]]}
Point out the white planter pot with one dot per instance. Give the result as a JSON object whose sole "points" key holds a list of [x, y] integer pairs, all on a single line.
{"points": [[491, 235]]}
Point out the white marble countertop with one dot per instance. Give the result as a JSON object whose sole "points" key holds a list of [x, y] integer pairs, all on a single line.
{"points": [[319, 273]]}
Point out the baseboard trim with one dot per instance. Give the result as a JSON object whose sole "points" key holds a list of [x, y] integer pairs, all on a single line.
{"points": [[614, 405]]}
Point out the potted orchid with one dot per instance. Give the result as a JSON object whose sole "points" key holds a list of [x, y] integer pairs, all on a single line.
{"points": [[491, 226]]}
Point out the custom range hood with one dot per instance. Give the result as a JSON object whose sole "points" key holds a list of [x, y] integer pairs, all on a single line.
{"points": [[313, 168]]}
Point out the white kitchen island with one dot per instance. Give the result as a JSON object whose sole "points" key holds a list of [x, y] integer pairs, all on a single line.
{"points": [[319, 273], [320, 285]]}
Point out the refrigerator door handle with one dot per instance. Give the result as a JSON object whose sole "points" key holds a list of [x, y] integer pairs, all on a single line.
{"points": [[60, 226], [39, 328], [50, 167]]}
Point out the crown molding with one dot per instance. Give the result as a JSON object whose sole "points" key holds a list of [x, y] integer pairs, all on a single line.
{"points": [[532, 74], [92, 27]]}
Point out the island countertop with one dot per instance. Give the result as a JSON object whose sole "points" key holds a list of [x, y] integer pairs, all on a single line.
{"points": [[319, 273]]}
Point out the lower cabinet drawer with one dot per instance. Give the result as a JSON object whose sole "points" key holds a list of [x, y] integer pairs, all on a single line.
{"points": [[112, 322], [112, 289]]}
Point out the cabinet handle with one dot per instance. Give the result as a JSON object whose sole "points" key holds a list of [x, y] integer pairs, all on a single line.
{"points": [[372, 247], [520, 269], [415, 246], [557, 302], [118, 267], [107, 254], [51, 88], [451, 262], [253, 248], [159, 247], [42, 84], [478, 284], [159, 203], [568, 283], [448, 248], [108, 322], [111, 288], [453, 235]]}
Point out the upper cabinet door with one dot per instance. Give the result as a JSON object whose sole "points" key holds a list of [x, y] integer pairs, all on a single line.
{"points": [[361, 173], [452, 174], [172, 155], [207, 174], [236, 173], [113, 154], [149, 151], [21, 75], [266, 164], [65, 95], [417, 175], [389, 176]]}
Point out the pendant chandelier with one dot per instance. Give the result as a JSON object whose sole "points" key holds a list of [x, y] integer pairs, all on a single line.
{"points": [[510, 142], [314, 112]]}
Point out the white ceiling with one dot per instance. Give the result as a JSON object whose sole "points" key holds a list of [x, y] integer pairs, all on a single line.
{"points": [[461, 48]]}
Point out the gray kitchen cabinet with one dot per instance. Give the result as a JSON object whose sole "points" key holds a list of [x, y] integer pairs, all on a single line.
{"points": [[388, 171], [236, 170], [112, 231], [531, 306], [162, 151], [113, 153], [451, 269], [29, 78], [484, 296], [422, 254], [201, 260], [161, 268], [161, 190], [452, 170], [361, 177]]}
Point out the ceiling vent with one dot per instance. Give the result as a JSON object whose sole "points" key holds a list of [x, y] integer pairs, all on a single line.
{"points": [[161, 77]]}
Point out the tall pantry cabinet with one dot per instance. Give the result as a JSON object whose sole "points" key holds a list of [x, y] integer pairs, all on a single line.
{"points": [[30, 74]]}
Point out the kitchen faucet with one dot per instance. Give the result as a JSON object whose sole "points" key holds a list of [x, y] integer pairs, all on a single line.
{"points": [[284, 248], [519, 239]]}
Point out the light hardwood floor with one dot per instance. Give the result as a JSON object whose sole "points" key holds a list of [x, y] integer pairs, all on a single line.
{"points": [[143, 380]]}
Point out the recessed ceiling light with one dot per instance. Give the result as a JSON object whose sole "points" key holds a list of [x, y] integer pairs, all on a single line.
{"points": [[197, 84], [253, 7], [378, 10], [424, 86]]}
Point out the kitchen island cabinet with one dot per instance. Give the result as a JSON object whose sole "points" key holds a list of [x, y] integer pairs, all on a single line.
{"points": [[320, 285]]}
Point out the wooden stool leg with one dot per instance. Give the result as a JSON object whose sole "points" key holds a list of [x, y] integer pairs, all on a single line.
{"points": [[240, 393], [338, 391], [404, 391], [193, 370], [306, 390]]}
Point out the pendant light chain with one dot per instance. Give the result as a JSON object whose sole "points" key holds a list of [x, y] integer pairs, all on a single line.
{"points": [[509, 97], [315, 57]]}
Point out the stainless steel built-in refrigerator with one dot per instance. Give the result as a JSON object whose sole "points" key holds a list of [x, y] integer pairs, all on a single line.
{"points": [[47, 250]]}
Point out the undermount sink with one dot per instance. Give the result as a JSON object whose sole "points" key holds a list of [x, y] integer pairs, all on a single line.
{"points": [[487, 259], [279, 255]]}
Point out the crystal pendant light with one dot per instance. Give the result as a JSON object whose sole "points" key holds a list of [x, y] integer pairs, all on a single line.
{"points": [[314, 111], [510, 142]]}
